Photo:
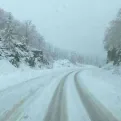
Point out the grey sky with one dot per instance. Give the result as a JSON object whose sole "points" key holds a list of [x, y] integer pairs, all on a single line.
{"points": [[77, 25]]}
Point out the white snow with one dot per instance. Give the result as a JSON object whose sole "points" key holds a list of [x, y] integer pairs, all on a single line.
{"points": [[63, 63], [21, 84], [103, 83], [42, 100], [6, 67], [114, 69], [76, 110], [9, 75], [105, 86]]}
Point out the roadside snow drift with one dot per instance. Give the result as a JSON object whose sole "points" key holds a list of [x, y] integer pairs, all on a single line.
{"points": [[9, 75], [62, 63], [6, 67]]}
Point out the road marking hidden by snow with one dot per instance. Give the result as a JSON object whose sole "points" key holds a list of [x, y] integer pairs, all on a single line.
{"points": [[37, 109]]}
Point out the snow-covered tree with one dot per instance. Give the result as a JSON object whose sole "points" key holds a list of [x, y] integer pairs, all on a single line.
{"points": [[27, 31], [16, 33], [8, 33], [3, 18], [112, 40], [113, 33]]}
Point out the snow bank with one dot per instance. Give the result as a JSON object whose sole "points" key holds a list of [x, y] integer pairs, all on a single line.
{"points": [[62, 63], [10, 76], [6, 67], [108, 66], [113, 69]]}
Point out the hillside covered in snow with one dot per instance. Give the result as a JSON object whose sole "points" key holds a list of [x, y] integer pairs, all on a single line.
{"points": [[21, 43], [20, 54]]}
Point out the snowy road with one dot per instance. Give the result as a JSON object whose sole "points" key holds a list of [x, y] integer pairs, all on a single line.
{"points": [[96, 111], [57, 110], [52, 98]]}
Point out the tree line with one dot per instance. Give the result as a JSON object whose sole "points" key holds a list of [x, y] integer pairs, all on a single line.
{"points": [[26, 33]]}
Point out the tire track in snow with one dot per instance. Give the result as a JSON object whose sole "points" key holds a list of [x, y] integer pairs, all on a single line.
{"points": [[20, 84], [96, 111], [57, 110], [14, 113], [8, 116]]}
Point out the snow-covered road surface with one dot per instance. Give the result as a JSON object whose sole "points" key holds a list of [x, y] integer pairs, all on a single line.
{"points": [[96, 111], [57, 110], [52, 98]]}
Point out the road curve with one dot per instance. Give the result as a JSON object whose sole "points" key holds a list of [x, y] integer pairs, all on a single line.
{"points": [[95, 110], [57, 110]]}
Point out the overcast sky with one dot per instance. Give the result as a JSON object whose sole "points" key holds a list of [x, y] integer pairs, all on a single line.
{"points": [[77, 25]]}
